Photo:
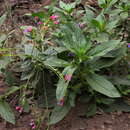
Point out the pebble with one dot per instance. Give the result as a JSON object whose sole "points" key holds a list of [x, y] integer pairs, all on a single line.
{"points": [[108, 122]]}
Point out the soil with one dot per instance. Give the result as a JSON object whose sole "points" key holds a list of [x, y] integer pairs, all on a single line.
{"points": [[113, 121], [74, 120]]}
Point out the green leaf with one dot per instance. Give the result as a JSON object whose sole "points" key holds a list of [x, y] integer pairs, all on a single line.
{"points": [[25, 104], [99, 22], [74, 40], [12, 89], [3, 18], [105, 100], [101, 85], [6, 112], [39, 14], [91, 110], [124, 15], [62, 5], [112, 2], [67, 7], [108, 59], [72, 97], [4, 61], [119, 80], [55, 62], [118, 105], [103, 48], [2, 38], [111, 25], [69, 70], [102, 3], [102, 37], [31, 50], [62, 85], [59, 113], [89, 15], [61, 89], [54, 50], [10, 78]]}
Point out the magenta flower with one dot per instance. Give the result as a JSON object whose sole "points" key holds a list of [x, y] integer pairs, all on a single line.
{"points": [[61, 102], [19, 109], [128, 45], [68, 77], [54, 17]]}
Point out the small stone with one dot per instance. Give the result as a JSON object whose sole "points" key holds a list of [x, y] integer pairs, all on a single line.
{"points": [[119, 113], [129, 116], [108, 122], [109, 129], [113, 117], [81, 128], [103, 127]]}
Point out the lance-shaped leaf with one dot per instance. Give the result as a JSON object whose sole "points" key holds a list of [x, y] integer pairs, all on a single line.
{"points": [[108, 59], [3, 18], [2, 38], [59, 113], [101, 85], [102, 3], [6, 112], [104, 48], [74, 40], [62, 84], [55, 62]]}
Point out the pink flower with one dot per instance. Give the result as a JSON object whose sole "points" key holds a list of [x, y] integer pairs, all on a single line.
{"points": [[54, 17], [128, 45], [32, 124], [28, 29], [61, 102], [39, 23], [19, 109], [56, 22], [25, 31], [81, 25], [34, 127], [68, 77]]}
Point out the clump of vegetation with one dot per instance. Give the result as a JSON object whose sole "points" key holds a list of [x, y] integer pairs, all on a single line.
{"points": [[69, 56]]}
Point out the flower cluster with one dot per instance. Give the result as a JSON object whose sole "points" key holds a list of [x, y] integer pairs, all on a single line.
{"points": [[54, 18], [38, 20], [32, 124], [28, 29]]}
